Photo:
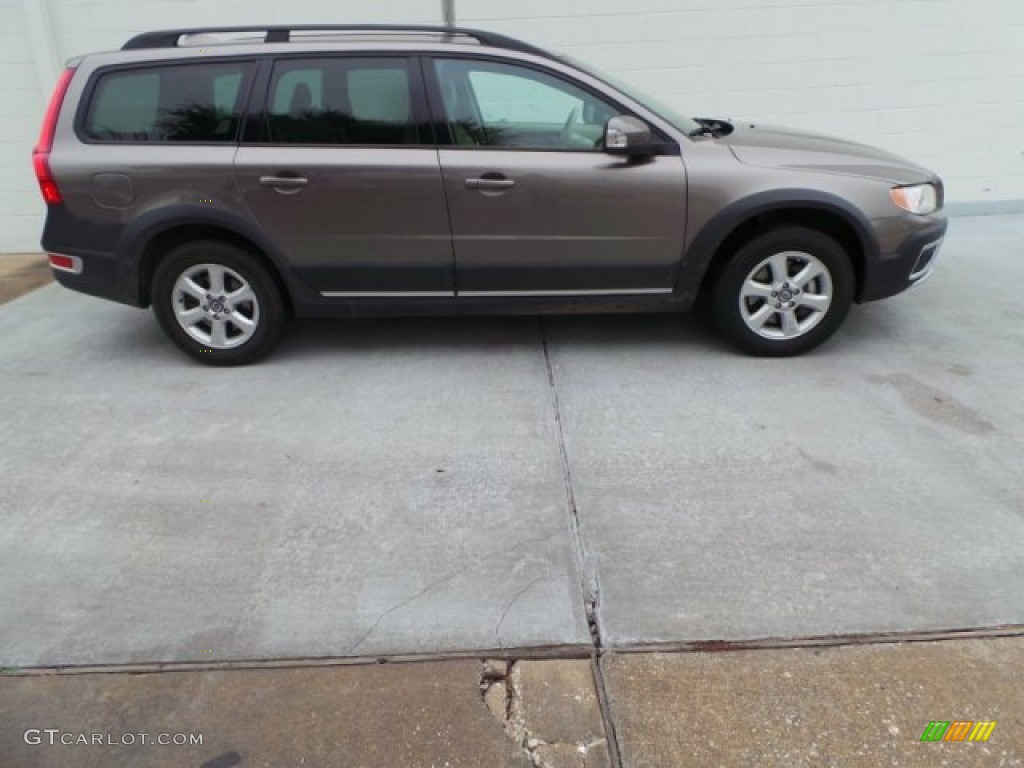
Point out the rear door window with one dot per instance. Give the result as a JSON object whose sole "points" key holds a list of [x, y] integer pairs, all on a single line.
{"points": [[343, 100], [187, 103]]}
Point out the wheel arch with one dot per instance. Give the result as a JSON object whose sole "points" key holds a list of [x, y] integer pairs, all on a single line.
{"points": [[745, 218], [152, 236]]}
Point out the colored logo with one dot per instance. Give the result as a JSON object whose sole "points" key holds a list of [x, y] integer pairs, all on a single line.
{"points": [[958, 730]]}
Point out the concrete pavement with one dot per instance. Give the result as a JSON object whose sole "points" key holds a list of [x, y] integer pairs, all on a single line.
{"points": [[873, 486], [849, 707], [839, 707], [375, 489], [397, 486], [22, 273], [380, 715], [387, 488]]}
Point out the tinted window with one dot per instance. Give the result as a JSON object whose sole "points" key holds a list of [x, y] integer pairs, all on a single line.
{"points": [[193, 102], [503, 105], [342, 101]]}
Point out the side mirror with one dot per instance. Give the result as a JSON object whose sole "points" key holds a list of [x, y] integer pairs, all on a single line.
{"points": [[628, 136]]}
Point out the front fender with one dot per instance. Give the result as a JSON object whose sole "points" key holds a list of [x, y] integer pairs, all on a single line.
{"points": [[705, 243]]}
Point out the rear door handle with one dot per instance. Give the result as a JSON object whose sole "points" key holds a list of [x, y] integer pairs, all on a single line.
{"points": [[290, 183]]}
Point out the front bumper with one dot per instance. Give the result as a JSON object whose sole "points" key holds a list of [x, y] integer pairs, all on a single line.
{"points": [[909, 258]]}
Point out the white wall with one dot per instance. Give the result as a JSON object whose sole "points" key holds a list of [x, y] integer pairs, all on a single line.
{"points": [[941, 81], [21, 109]]}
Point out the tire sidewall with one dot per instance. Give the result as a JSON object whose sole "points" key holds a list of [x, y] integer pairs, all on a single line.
{"points": [[726, 296], [272, 313]]}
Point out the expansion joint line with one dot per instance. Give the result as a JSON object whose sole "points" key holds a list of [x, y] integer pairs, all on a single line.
{"points": [[590, 588]]}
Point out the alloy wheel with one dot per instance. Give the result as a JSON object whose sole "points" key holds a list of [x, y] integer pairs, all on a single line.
{"points": [[786, 295], [216, 306]]}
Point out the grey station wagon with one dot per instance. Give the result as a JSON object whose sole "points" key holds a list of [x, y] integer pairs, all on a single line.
{"points": [[233, 178]]}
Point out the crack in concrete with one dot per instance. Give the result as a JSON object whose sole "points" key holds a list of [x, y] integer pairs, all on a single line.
{"points": [[399, 606], [513, 601], [455, 574], [501, 691]]}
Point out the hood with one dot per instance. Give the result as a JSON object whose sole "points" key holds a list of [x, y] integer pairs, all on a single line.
{"points": [[772, 147]]}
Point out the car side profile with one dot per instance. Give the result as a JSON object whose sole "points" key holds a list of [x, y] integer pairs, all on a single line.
{"points": [[235, 178]]}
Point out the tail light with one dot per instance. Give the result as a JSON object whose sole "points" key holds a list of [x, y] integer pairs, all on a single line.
{"points": [[41, 154]]}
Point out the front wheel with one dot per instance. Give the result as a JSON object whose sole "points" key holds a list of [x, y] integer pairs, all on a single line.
{"points": [[218, 303], [784, 292]]}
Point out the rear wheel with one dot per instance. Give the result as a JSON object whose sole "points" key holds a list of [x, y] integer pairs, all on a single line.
{"points": [[784, 292], [218, 303]]}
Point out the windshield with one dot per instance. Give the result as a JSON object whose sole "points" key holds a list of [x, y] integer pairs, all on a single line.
{"points": [[668, 114]]}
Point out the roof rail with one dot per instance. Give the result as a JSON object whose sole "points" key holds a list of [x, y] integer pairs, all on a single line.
{"points": [[169, 38]]}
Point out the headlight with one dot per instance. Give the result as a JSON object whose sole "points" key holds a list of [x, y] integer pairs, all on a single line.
{"points": [[921, 199]]}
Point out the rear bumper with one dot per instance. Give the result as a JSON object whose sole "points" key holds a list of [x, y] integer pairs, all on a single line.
{"points": [[908, 264], [99, 271], [99, 275]]}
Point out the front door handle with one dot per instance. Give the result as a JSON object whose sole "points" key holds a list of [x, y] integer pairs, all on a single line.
{"points": [[287, 184], [490, 181]]}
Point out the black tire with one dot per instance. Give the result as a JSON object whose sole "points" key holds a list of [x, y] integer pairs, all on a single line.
{"points": [[266, 309], [727, 293]]}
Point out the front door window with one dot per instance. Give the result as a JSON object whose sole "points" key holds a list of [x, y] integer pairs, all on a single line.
{"points": [[490, 104]]}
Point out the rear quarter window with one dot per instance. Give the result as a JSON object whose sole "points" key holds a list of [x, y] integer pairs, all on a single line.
{"points": [[186, 103]]}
